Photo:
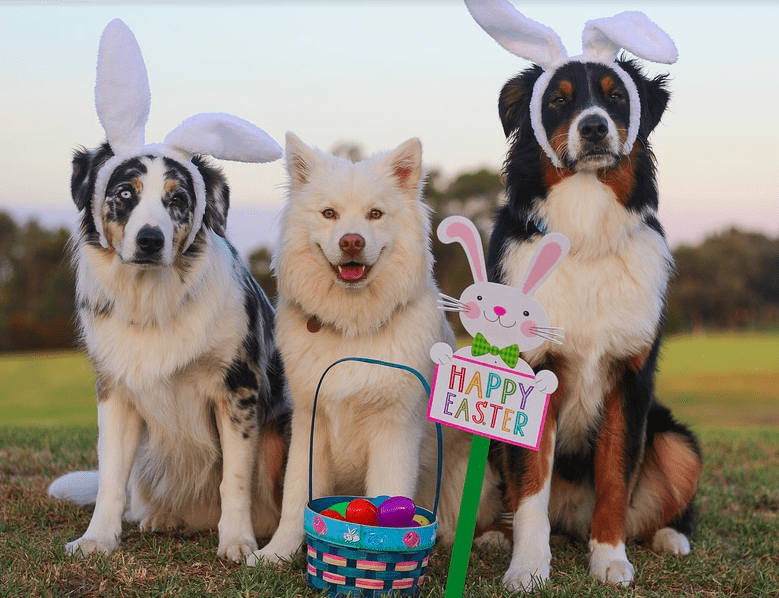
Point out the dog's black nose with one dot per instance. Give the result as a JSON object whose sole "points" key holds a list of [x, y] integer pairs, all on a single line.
{"points": [[150, 240], [593, 128], [351, 244]]}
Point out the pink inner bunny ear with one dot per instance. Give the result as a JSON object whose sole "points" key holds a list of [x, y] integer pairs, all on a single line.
{"points": [[463, 231], [546, 259]]}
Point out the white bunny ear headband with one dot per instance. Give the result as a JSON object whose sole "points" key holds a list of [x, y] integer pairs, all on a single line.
{"points": [[123, 99], [601, 41]]}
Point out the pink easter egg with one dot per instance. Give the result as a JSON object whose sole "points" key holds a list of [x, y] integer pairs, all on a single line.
{"points": [[319, 525], [411, 539], [396, 511]]}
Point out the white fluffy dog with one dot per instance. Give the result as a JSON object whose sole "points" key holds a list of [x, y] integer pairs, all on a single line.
{"points": [[354, 271]]}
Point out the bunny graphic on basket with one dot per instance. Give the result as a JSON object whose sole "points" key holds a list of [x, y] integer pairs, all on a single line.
{"points": [[503, 320]]}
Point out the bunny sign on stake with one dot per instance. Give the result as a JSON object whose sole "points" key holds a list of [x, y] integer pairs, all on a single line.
{"points": [[486, 388], [123, 100]]}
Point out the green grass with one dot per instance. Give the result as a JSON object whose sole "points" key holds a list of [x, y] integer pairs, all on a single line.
{"points": [[722, 380], [724, 385]]}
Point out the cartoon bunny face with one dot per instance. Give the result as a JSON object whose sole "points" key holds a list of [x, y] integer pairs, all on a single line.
{"points": [[496, 315], [503, 316]]}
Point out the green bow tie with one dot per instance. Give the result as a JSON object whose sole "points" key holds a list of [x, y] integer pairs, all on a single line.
{"points": [[509, 355]]}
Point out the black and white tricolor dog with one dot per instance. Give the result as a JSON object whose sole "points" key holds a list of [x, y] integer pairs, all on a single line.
{"points": [[192, 420], [613, 464]]}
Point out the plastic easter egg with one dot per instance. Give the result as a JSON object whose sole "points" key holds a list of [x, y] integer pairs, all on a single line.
{"points": [[421, 520], [340, 508], [396, 511], [361, 511], [333, 514]]}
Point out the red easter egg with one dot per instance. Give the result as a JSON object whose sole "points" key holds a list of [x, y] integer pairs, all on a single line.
{"points": [[333, 514], [397, 511], [361, 511]]}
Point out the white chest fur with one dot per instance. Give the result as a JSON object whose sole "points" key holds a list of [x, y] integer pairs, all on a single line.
{"points": [[607, 294]]}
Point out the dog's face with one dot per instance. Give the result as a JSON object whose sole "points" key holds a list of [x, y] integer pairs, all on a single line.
{"points": [[351, 230], [148, 210], [585, 112], [149, 207]]}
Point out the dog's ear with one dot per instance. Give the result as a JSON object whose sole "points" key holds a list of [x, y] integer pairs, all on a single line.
{"points": [[405, 163], [217, 195], [654, 96], [86, 163], [300, 160], [514, 101]]}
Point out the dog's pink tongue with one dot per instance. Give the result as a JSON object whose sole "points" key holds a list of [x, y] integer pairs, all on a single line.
{"points": [[352, 272]]}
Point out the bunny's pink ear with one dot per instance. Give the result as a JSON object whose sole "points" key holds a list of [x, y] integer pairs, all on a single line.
{"points": [[549, 253], [461, 230]]}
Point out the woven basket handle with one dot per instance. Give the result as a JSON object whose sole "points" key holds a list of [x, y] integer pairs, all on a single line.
{"points": [[390, 365]]}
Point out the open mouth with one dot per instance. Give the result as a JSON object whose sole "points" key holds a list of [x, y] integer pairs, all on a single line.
{"points": [[351, 272]]}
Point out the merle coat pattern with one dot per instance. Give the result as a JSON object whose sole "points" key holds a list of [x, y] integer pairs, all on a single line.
{"points": [[191, 411]]}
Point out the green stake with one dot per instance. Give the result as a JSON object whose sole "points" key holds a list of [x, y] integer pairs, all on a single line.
{"points": [[466, 524]]}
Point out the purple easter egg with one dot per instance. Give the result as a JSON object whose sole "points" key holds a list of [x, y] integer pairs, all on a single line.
{"points": [[396, 511]]}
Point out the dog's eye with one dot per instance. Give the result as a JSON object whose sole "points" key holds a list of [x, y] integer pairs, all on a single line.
{"points": [[178, 199], [376, 214], [557, 101], [617, 96], [329, 213], [125, 194]]}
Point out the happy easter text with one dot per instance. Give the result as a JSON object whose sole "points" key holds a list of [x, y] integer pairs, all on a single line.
{"points": [[488, 401]]}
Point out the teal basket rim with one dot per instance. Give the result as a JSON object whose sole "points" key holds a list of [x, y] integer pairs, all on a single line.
{"points": [[389, 364]]}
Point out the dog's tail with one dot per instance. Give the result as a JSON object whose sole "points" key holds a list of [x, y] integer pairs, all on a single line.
{"points": [[79, 487]]}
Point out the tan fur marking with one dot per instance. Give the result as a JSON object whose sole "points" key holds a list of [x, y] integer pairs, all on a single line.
{"points": [[670, 474], [621, 180], [607, 84], [275, 454], [566, 88], [552, 174], [636, 362], [170, 186], [611, 493]]}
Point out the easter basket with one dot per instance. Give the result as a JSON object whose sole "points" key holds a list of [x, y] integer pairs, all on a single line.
{"points": [[349, 559]]}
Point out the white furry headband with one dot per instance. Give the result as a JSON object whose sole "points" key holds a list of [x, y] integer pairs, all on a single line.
{"points": [[123, 99], [601, 41]]}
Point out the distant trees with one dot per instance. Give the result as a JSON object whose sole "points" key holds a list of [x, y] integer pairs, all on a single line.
{"points": [[729, 281], [36, 287]]}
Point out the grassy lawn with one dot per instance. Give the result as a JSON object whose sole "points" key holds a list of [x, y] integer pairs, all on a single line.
{"points": [[725, 386]]}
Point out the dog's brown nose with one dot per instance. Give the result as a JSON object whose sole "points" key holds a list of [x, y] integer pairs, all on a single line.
{"points": [[351, 244]]}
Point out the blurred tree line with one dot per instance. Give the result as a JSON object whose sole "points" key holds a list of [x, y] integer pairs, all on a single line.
{"points": [[728, 281]]}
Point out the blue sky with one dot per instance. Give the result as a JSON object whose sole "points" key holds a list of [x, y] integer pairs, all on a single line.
{"points": [[377, 73]]}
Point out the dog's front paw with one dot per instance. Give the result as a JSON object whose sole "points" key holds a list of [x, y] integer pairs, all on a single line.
{"points": [[610, 564], [236, 549], [669, 541], [527, 578], [160, 522], [274, 552], [86, 545]]}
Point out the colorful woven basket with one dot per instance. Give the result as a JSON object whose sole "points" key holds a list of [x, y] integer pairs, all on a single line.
{"points": [[347, 559]]}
